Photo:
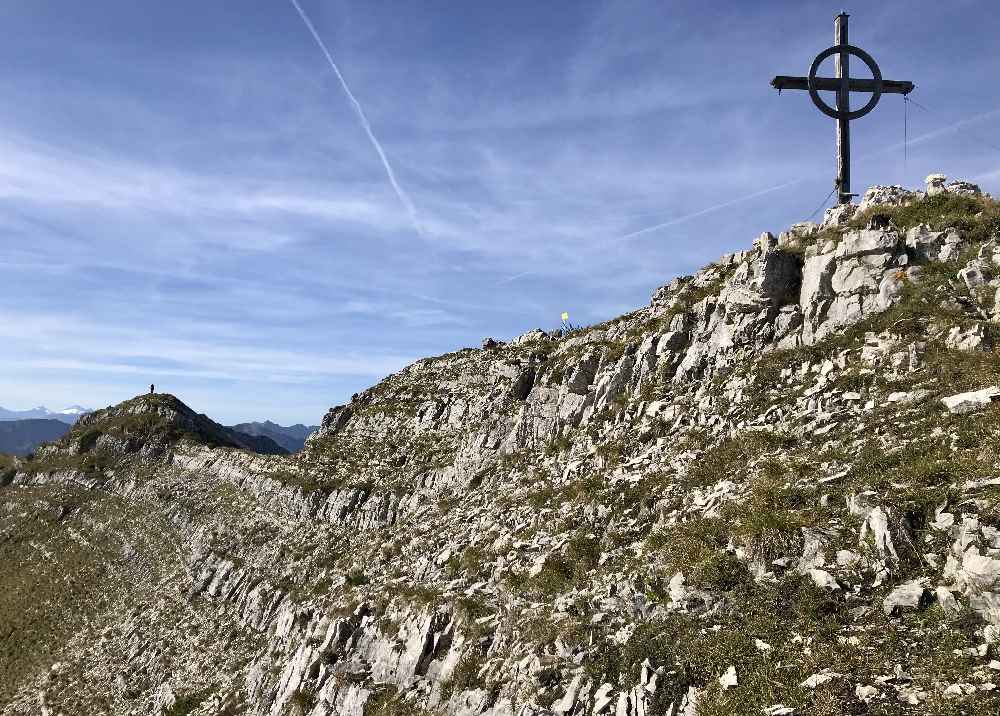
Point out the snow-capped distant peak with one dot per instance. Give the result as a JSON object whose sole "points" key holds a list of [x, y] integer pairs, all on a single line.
{"points": [[68, 415]]}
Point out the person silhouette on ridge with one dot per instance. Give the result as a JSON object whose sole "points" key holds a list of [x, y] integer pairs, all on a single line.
{"points": [[152, 388]]}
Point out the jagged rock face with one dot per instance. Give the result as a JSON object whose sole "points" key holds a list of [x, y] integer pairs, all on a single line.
{"points": [[727, 501], [844, 282]]}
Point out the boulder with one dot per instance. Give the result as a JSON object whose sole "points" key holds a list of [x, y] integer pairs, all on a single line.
{"points": [[971, 401], [792, 239], [978, 572], [603, 698], [535, 334], [866, 694], [973, 338], [975, 274], [928, 245], [838, 215], [728, 680], [909, 595], [819, 679], [824, 580], [877, 524], [935, 184], [947, 600], [911, 695]]}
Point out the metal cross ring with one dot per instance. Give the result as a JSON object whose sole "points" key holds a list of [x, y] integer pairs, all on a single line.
{"points": [[876, 78]]}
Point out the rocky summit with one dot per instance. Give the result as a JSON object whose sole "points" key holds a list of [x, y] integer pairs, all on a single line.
{"points": [[773, 490]]}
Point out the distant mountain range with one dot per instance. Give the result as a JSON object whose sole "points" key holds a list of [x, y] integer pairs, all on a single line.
{"points": [[68, 415], [20, 437], [21, 431], [292, 438]]}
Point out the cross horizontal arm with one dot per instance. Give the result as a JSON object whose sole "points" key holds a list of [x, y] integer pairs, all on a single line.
{"points": [[782, 82]]}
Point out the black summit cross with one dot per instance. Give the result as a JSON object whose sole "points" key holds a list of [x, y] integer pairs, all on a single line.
{"points": [[843, 84]]}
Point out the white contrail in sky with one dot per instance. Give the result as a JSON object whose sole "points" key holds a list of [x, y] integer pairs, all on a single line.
{"points": [[404, 198], [675, 221], [920, 139], [515, 277], [941, 131], [709, 210]]}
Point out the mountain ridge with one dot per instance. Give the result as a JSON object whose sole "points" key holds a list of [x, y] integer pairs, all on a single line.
{"points": [[21, 437], [67, 415], [292, 438], [148, 426], [772, 490]]}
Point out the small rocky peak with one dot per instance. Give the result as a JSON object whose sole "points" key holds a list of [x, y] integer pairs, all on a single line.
{"points": [[152, 423]]}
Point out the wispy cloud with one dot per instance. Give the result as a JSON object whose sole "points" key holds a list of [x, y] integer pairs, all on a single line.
{"points": [[239, 237], [404, 198], [73, 342], [49, 175]]}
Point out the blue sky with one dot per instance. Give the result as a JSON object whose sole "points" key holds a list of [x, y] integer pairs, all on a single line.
{"points": [[187, 196]]}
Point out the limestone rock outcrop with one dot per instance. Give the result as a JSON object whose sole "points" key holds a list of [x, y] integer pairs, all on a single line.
{"points": [[771, 490]]}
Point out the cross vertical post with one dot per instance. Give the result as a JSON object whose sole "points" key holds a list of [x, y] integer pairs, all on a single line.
{"points": [[842, 72]]}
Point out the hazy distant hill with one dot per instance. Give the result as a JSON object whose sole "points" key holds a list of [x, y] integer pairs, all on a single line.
{"points": [[258, 443], [68, 415], [292, 438], [20, 437]]}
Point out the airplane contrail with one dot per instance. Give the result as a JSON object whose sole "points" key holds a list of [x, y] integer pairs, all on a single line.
{"points": [[708, 210], [920, 139], [404, 198], [515, 277], [940, 131]]}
